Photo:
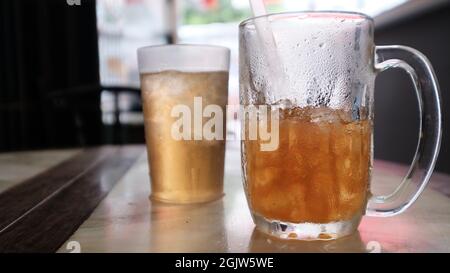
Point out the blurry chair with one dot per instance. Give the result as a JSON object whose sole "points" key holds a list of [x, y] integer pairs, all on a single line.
{"points": [[50, 90]]}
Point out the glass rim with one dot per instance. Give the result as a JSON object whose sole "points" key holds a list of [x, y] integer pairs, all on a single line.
{"points": [[199, 46], [252, 20], [183, 57]]}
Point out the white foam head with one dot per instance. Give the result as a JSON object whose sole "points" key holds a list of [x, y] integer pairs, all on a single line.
{"points": [[184, 58], [325, 55]]}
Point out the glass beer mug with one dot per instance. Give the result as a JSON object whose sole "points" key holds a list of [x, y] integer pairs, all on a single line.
{"points": [[317, 71]]}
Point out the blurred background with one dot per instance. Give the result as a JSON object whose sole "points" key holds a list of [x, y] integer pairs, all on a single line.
{"points": [[69, 78]]}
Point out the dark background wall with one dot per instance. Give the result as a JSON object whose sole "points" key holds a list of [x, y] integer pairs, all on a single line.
{"points": [[396, 114], [49, 75]]}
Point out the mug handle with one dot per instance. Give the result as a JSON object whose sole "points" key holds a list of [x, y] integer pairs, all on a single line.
{"points": [[427, 90]]}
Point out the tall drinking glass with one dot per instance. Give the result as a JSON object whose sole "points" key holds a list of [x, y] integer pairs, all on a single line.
{"points": [[180, 85], [320, 79]]}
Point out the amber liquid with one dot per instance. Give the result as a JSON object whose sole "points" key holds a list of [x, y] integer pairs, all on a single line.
{"points": [[182, 171], [319, 173]]}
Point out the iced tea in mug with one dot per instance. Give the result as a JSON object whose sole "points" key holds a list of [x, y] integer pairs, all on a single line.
{"points": [[187, 76], [319, 80], [320, 171]]}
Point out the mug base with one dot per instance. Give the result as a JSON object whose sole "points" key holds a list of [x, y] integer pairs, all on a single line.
{"points": [[307, 231]]}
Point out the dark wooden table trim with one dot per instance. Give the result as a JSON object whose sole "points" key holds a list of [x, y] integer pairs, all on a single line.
{"points": [[23, 197], [40, 214]]}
